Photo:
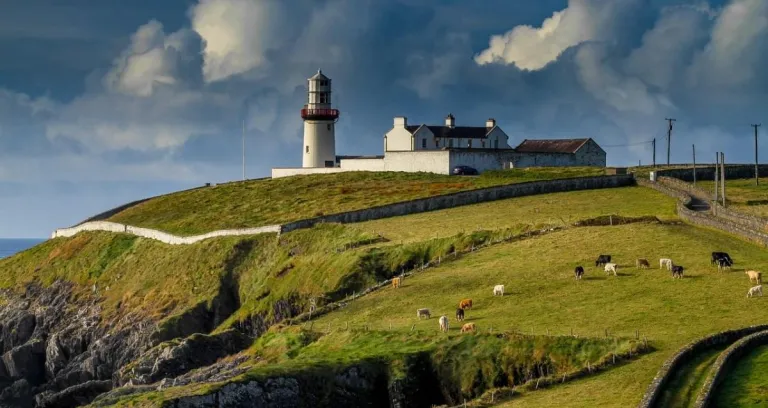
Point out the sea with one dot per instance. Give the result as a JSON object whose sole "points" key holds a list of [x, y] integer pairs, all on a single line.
{"points": [[12, 246]]}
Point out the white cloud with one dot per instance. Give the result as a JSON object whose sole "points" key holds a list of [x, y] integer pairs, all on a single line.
{"points": [[239, 33], [154, 59]]}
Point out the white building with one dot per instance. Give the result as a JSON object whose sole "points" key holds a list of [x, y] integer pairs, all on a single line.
{"points": [[429, 148]]}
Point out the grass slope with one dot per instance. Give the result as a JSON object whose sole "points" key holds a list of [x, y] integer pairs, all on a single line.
{"points": [[747, 384], [542, 295], [686, 384], [744, 195], [273, 201]]}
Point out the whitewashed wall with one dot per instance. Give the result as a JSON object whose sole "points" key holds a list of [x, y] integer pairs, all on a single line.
{"points": [[437, 161], [480, 160], [398, 139], [362, 164], [296, 171], [159, 235]]}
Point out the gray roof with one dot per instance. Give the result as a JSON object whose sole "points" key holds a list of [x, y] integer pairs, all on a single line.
{"points": [[463, 132], [319, 75]]}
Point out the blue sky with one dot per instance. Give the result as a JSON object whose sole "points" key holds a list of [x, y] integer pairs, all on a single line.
{"points": [[106, 102]]}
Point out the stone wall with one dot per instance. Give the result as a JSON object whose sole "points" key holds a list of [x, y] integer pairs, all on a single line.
{"points": [[467, 198], [685, 354], [707, 172], [725, 363], [159, 235]]}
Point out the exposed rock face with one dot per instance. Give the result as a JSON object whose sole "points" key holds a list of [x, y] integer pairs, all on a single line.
{"points": [[54, 347]]}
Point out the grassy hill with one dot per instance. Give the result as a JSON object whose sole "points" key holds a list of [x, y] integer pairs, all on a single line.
{"points": [[744, 195], [747, 385], [272, 201], [271, 275]]}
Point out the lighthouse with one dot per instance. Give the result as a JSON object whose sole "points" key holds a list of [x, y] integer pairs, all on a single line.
{"points": [[319, 124]]}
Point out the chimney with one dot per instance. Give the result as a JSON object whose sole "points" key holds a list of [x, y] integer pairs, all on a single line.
{"points": [[450, 120], [490, 123], [401, 121]]}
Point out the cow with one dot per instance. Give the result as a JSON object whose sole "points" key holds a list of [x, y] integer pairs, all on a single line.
{"points": [[395, 283], [642, 263], [665, 262], [723, 263], [465, 304], [757, 276], [498, 290], [422, 312], [602, 260], [444, 324], [579, 271], [460, 315], [721, 255], [611, 267], [755, 290], [468, 328], [677, 271]]}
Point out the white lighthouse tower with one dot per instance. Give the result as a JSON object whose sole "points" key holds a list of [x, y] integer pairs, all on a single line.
{"points": [[319, 124]]}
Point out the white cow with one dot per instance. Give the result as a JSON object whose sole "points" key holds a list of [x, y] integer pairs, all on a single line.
{"points": [[498, 290], [665, 262], [755, 290], [611, 267], [422, 312], [444, 324]]}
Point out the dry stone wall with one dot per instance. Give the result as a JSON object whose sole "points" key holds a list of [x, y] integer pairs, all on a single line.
{"points": [[725, 363], [159, 235]]}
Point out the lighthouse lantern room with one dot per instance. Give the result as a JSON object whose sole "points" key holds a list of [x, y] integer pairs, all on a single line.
{"points": [[319, 124]]}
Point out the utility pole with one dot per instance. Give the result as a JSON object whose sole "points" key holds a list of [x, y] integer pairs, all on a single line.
{"points": [[669, 136], [717, 170], [654, 152], [757, 173], [722, 175], [243, 149], [694, 165]]}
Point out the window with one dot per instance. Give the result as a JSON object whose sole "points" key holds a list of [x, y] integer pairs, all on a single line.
{"points": [[437, 143], [496, 143], [423, 143], [469, 143], [307, 149], [329, 163], [482, 143], [329, 126], [450, 142], [323, 98]]}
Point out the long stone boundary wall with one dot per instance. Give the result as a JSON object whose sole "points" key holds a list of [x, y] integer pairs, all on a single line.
{"points": [[725, 363], [685, 354], [467, 198], [734, 171], [385, 211], [704, 218]]}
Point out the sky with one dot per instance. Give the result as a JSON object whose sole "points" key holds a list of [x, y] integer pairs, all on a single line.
{"points": [[104, 102]]}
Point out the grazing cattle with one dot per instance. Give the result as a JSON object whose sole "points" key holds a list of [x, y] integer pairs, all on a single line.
{"points": [[498, 290], [677, 271], [755, 275], [579, 271], [422, 313], [755, 290], [444, 324], [611, 267], [395, 283], [460, 315], [602, 260], [465, 304], [721, 255], [642, 263], [468, 328], [665, 262]]}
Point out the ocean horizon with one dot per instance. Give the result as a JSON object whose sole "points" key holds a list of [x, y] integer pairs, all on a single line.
{"points": [[12, 246]]}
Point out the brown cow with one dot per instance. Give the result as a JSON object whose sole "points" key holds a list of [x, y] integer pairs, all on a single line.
{"points": [[468, 328], [465, 304], [395, 283], [642, 263]]}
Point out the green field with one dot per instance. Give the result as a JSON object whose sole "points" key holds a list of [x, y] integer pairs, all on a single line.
{"points": [[744, 195], [518, 213], [543, 295], [747, 384], [272, 201]]}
